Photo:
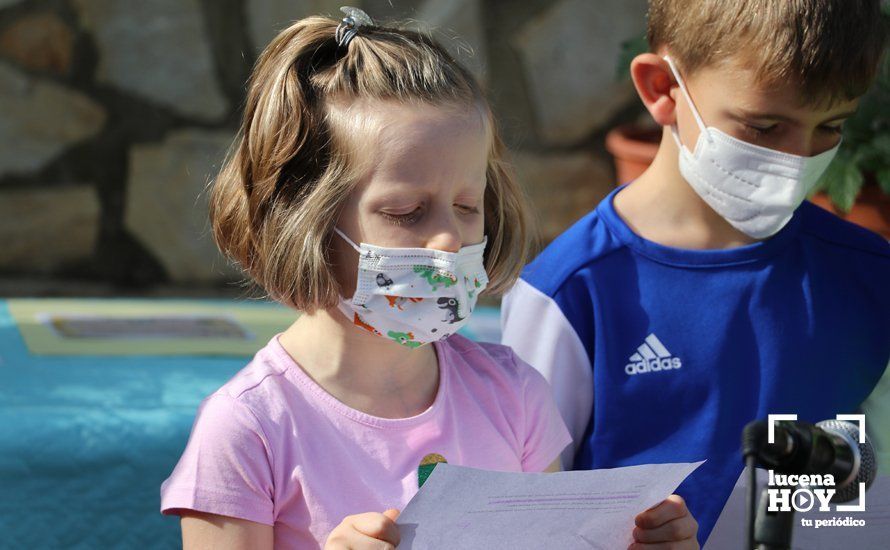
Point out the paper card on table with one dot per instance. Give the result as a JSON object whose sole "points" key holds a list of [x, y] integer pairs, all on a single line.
{"points": [[467, 508]]}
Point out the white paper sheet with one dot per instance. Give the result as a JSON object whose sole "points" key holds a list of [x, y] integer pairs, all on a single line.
{"points": [[729, 531], [470, 509]]}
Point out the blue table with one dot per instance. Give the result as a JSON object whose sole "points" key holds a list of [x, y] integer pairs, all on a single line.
{"points": [[85, 442]]}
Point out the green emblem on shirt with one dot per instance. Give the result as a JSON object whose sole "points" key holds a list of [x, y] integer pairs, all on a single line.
{"points": [[426, 467]]}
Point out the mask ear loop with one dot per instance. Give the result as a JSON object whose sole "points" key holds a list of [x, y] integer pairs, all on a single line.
{"points": [[347, 239], [698, 119]]}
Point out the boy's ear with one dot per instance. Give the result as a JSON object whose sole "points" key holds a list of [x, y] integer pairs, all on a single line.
{"points": [[654, 82]]}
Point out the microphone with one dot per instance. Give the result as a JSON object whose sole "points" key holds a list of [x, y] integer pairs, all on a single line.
{"points": [[829, 447]]}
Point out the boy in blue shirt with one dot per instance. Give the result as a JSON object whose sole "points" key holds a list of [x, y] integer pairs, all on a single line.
{"points": [[707, 293]]}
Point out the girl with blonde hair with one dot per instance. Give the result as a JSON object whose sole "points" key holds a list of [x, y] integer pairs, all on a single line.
{"points": [[367, 189]]}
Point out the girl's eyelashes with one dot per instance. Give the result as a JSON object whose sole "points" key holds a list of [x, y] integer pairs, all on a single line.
{"points": [[414, 215], [402, 219]]}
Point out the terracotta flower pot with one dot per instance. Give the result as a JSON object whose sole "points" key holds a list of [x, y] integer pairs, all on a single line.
{"points": [[871, 209], [634, 148]]}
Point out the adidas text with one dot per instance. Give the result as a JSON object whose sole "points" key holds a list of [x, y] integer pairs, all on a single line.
{"points": [[651, 365], [651, 356]]}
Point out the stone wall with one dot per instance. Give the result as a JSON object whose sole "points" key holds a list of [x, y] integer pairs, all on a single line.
{"points": [[114, 115]]}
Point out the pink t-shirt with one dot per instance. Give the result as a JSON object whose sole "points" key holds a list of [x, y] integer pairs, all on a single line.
{"points": [[272, 446]]}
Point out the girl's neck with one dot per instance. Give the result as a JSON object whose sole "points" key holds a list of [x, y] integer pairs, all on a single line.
{"points": [[366, 372]]}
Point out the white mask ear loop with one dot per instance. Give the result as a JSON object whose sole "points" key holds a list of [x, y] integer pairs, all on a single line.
{"points": [[347, 239], [698, 119]]}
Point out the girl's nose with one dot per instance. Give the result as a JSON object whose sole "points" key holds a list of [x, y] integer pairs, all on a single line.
{"points": [[448, 241], [444, 232]]}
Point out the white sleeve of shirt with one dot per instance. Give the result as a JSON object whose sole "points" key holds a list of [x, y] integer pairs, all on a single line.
{"points": [[538, 331]]}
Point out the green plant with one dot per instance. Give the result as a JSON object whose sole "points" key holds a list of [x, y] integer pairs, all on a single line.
{"points": [[865, 151]]}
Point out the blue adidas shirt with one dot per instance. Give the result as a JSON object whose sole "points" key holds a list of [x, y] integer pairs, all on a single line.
{"points": [[657, 354]]}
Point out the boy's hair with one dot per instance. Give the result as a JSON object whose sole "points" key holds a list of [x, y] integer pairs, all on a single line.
{"points": [[276, 200], [831, 49]]}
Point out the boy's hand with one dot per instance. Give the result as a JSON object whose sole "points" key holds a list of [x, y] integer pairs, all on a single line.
{"points": [[666, 526], [369, 531]]}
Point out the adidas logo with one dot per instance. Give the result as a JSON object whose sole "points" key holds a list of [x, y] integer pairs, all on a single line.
{"points": [[651, 356]]}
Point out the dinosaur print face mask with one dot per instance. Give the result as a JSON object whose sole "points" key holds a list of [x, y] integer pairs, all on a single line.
{"points": [[414, 296]]}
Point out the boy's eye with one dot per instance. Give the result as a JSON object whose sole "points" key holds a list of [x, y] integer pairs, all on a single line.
{"points": [[761, 130], [832, 129]]}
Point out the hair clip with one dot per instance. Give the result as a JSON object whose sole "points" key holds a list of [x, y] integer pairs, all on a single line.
{"points": [[347, 29]]}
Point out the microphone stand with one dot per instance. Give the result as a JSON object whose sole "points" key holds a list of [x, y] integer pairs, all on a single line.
{"points": [[772, 530]]}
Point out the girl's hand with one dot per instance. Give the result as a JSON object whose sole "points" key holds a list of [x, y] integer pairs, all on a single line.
{"points": [[369, 531], [666, 526]]}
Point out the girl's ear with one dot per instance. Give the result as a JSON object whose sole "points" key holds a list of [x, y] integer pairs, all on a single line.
{"points": [[654, 82]]}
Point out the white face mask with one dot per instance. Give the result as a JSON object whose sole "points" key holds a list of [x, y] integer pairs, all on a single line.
{"points": [[754, 188], [414, 296]]}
